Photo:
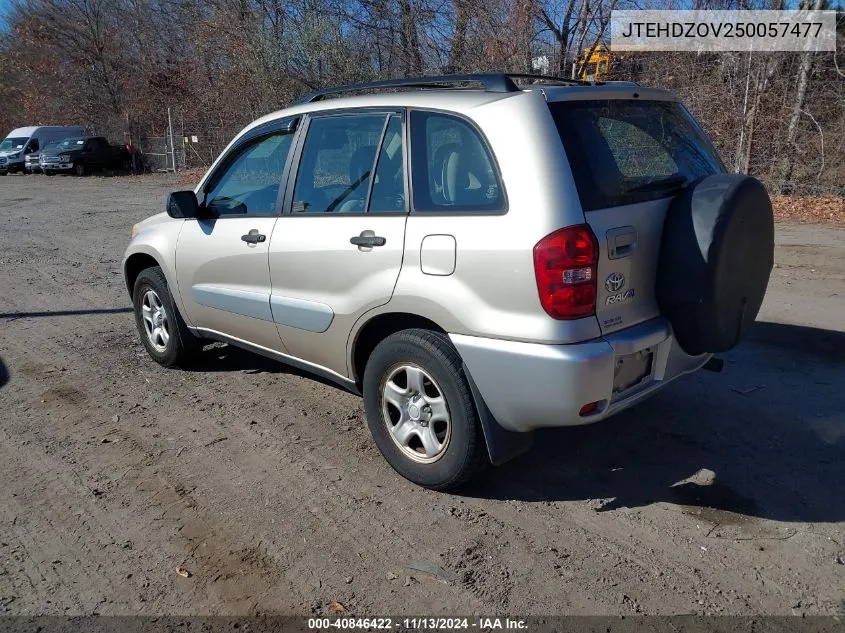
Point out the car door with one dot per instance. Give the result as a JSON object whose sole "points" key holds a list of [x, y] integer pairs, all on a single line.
{"points": [[337, 250], [221, 260], [91, 152]]}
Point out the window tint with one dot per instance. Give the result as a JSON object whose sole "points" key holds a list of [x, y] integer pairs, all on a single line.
{"points": [[33, 145], [451, 167], [337, 164], [250, 183], [388, 192], [626, 151]]}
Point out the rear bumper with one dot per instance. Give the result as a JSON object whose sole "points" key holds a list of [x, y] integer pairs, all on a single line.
{"points": [[530, 385]]}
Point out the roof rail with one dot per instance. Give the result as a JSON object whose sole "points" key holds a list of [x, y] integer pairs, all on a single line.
{"points": [[553, 80], [490, 82]]}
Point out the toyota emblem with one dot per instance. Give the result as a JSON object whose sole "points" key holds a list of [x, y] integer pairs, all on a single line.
{"points": [[614, 282]]}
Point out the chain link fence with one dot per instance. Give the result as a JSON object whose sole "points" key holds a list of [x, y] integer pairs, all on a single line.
{"points": [[155, 154], [200, 149]]}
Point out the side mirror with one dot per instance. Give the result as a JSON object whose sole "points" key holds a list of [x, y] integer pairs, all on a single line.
{"points": [[182, 204]]}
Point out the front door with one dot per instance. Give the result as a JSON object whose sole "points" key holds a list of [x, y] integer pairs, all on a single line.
{"points": [[337, 250], [221, 261]]}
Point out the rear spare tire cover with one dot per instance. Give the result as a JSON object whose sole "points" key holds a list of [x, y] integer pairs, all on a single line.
{"points": [[716, 254]]}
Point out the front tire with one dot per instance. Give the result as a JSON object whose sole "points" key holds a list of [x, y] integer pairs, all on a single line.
{"points": [[79, 169], [163, 332], [420, 410]]}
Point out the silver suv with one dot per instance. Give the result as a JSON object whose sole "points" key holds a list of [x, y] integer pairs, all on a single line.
{"points": [[479, 256]]}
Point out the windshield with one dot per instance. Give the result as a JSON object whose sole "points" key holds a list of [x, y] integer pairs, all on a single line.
{"points": [[13, 143], [72, 143], [627, 151]]}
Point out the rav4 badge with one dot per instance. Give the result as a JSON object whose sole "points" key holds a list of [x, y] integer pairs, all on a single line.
{"points": [[620, 297]]}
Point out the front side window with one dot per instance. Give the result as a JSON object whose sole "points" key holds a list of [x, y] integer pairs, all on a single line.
{"points": [[451, 168], [337, 163], [629, 151], [250, 183]]}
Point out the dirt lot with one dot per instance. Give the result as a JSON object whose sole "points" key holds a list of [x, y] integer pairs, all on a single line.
{"points": [[722, 495]]}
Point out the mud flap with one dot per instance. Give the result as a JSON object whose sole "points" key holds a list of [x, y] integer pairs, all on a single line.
{"points": [[502, 445]]}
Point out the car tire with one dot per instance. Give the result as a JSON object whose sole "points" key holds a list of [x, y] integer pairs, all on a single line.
{"points": [[421, 412], [163, 332], [79, 169], [48, 173]]}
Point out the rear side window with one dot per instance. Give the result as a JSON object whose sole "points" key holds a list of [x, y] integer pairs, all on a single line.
{"points": [[337, 163], [388, 188], [628, 151], [451, 168]]}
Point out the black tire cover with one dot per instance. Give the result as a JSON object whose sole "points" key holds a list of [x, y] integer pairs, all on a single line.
{"points": [[716, 254]]}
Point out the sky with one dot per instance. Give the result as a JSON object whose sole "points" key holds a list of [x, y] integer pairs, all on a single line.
{"points": [[4, 7]]}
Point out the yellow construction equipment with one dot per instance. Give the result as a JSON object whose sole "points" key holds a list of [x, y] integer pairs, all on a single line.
{"points": [[594, 63]]}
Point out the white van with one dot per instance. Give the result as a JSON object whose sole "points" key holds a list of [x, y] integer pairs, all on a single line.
{"points": [[30, 140]]}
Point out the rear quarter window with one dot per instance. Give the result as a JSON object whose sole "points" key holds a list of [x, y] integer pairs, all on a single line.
{"points": [[452, 169], [628, 151]]}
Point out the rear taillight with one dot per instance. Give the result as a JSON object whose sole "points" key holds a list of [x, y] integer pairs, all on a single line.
{"points": [[565, 267]]}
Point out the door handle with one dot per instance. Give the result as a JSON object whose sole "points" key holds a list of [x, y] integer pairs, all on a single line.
{"points": [[253, 237], [367, 240], [621, 242]]}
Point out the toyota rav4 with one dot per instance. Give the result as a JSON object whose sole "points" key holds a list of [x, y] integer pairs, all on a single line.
{"points": [[479, 256]]}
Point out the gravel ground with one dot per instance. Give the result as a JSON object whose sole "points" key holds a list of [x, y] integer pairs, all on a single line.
{"points": [[723, 494]]}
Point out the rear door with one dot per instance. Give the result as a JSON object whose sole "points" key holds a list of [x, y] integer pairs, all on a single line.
{"points": [[337, 250], [630, 158]]}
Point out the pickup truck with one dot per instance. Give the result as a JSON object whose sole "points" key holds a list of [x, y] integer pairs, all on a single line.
{"points": [[82, 155]]}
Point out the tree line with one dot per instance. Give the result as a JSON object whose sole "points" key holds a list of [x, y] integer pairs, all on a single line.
{"points": [[116, 66]]}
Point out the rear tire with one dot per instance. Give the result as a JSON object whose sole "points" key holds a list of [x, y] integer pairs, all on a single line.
{"points": [[421, 412], [163, 332]]}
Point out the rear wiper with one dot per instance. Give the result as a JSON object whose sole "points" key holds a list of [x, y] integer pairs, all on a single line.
{"points": [[664, 184]]}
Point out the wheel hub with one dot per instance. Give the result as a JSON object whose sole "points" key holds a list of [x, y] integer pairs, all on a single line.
{"points": [[155, 322], [416, 413], [418, 410]]}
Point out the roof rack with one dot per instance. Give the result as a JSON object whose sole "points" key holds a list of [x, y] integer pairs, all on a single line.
{"points": [[490, 82]]}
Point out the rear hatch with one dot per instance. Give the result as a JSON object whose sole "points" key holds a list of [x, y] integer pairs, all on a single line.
{"points": [[630, 158]]}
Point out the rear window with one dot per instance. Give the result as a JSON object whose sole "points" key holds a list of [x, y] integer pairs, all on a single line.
{"points": [[628, 151]]}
